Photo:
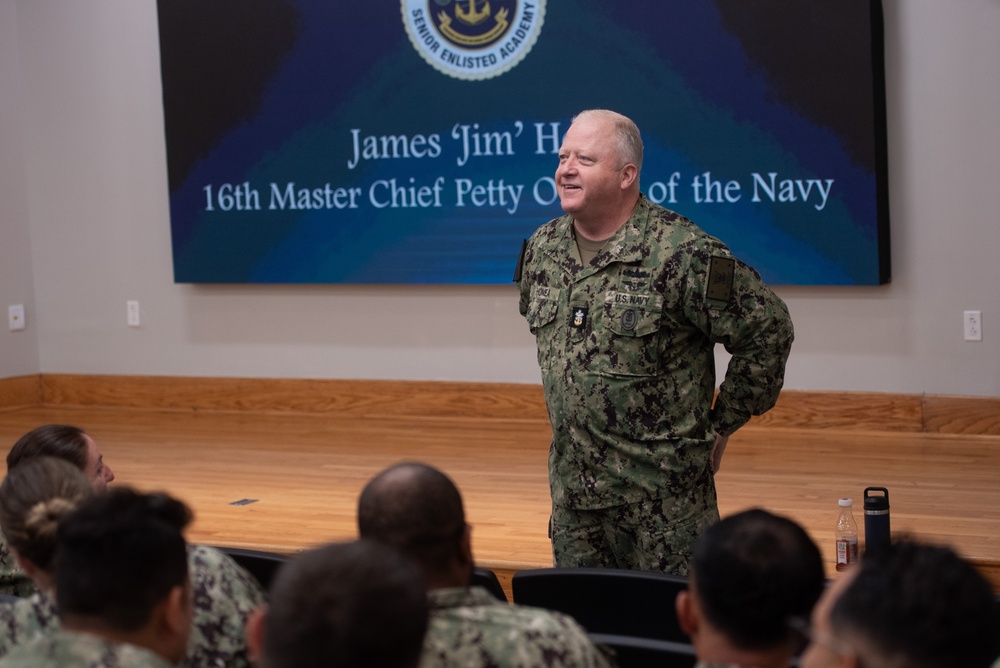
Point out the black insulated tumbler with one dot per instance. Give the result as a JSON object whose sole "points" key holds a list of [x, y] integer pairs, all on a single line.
{"points": [[877, 537]]}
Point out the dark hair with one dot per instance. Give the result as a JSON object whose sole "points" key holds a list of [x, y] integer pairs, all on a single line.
{"points": [[416, 509], [353, 605], [34, 498], [922, 606], [51, 440], [120, 554], [754, 571]]}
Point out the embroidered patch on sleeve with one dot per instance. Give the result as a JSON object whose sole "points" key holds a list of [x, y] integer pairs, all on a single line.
{"points": [[721, 273]]}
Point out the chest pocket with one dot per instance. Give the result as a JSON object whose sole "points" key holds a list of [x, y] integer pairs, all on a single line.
{"points": [[542, 308], [631, 345]]}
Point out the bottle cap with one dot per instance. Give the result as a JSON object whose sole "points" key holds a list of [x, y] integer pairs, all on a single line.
{"points": [[845, 503]]}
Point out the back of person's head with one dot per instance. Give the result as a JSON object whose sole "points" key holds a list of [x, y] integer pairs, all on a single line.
{"points": [[918, 605], [415, 508], [52, 440], [119, 555], [754, 571], [34, 498], [351, 605]]}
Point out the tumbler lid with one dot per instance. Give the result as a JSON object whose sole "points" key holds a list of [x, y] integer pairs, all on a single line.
{"points": [[877, 502]]}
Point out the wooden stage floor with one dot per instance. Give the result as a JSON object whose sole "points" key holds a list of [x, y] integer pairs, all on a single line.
{"points": [[303, 474]]}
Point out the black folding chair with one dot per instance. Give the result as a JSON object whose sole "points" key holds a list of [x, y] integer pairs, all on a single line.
{"points": [[632, 652], [262, 565], [606, 600], [484, 577]]}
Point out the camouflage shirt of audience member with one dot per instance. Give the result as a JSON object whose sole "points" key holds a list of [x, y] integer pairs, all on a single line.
{"points": [[625, 345], [25, 620], [469, 627], [224, 596], [13, 581], [80, 650]]}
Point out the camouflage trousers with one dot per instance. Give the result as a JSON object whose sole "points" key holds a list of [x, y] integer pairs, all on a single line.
{"points": [[652, 535]]}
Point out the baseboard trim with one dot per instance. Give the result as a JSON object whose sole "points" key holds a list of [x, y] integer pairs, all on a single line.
{"points": [[796, 409]]}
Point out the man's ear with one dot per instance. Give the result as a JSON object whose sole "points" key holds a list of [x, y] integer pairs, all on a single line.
{"points": [[687, 616], [629, 174], [176, 608], [254, 633]]}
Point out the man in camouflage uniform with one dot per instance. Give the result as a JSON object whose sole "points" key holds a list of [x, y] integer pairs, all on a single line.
{"points": [[122, 586], [627, 301], [225, 596], [418, 510], [750, 574]]}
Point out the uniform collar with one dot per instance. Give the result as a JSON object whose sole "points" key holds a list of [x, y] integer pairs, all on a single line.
{"points": [[624, 246]]}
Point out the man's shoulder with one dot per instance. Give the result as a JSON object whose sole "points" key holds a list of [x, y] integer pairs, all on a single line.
{"points": [[666, 226], [82, 650], [551, 232]]}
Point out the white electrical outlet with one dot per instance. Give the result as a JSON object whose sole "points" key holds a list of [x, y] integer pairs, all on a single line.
{"points": [[133, 312], [973, 325], [15, 317]]}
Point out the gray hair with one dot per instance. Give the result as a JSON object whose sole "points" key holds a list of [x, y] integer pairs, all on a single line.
{"points": [[626, 133]]}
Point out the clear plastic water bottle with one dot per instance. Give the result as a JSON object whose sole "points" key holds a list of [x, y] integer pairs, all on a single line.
{"points": [[847, 535]]}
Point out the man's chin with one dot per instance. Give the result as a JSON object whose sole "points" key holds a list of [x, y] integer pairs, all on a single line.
{"points": [[569, 204]]}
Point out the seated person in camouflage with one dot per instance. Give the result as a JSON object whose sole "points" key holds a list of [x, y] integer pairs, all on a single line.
{"points": [[122, 586], [750, 573], [914, 604], [64, 442], [34, 497], [418, 510], [350, 605], [225, 594]]}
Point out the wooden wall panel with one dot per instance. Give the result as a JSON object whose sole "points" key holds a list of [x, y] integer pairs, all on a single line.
{"points": [[20, 392], [847, 411]]}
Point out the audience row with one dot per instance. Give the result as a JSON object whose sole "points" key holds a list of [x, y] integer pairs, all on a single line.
{"points": [[103, 577]]}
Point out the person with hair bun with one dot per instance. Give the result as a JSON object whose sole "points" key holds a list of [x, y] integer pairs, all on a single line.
{"points": [[34, 498]]}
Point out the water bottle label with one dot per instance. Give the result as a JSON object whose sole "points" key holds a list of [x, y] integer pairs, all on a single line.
{"points": [[847, 551]]}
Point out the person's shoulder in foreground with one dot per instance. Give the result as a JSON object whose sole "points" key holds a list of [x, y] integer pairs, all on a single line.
{"points": [[470, 627], [225, 595], [66, 649]]}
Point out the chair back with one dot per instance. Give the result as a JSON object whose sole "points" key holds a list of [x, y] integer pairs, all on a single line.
{"points": [[484, 577], [262, 565], [606, 600], [631, 652]]}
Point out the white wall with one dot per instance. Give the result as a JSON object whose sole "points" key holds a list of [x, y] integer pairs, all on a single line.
{"points": [[18, 350], [86, 133]]}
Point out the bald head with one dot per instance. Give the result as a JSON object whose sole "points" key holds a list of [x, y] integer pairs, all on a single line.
{"points": [[628, 141], [418, 510]]}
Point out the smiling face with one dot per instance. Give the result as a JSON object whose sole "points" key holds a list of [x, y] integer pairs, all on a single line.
{"points": [[593, 183]]}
